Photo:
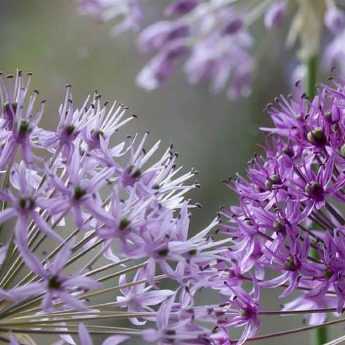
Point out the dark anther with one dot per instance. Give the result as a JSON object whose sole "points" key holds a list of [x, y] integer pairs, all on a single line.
{"points": [[54, 283], [79, 193], [317, 137], [124, 223]]}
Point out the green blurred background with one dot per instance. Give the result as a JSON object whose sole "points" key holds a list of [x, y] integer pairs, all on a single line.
{"points": [[212, 134]]}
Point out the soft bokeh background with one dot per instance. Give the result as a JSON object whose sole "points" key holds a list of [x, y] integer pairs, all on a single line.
{"points": [[212, 134]]}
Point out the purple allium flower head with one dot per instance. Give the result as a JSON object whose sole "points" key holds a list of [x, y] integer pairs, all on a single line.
{"points": [[287, 230], [93, 228]]}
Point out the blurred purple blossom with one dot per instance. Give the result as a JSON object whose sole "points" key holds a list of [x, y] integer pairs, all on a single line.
{"points": [[213, 40], [127, 12], [275, 14]]}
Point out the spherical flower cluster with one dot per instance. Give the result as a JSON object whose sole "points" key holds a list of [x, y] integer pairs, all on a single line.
{"points": [[213, 39], [93, 231], [289, 225]]}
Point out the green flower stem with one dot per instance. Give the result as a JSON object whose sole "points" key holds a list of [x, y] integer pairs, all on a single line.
{"points": [[311, 76], [320, 335]]}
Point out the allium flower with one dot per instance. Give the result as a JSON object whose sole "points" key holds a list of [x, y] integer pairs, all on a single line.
{"points": [[288, 228], [98, 231], [212, 38]]}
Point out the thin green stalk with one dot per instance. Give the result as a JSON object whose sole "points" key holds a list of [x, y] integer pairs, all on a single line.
{"points": [[311, 77], [295, 330], [320, 335]]}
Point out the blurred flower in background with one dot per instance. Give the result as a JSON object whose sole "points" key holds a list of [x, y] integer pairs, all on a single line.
{"points": [[129, 12], [213, 38]]}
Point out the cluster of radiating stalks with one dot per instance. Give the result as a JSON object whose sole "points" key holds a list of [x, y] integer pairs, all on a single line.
{"points": [[90, 230]]}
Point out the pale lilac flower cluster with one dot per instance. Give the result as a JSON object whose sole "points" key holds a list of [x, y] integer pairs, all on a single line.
{"points": [[213, 40], [94, 230], [289, 226], [126, 13]]}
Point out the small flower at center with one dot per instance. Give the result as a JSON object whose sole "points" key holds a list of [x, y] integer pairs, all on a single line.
{"points": [[328, 273], [79, 193], [317, 137], [163, 252], [272, 180], [69, 130], [97, 134], [279, 226], [26, 203], [292, 265], [248, 313], [54, 283], [24, 128], [193, 252], [315, 191], [136, 174], [124, 223]]}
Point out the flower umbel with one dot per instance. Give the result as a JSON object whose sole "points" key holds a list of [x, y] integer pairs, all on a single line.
{"points": [[97, 230], [290, 221]]}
